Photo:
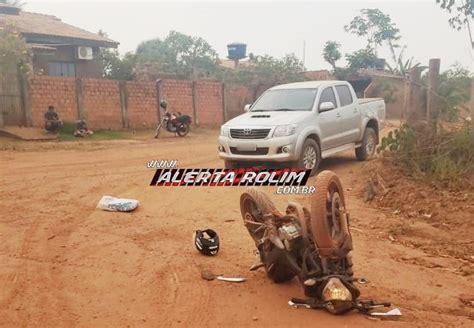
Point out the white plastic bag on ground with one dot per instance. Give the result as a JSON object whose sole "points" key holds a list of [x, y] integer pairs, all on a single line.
{"points": [[109, 203]]}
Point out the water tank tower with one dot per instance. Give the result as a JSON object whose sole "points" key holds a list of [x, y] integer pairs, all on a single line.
{"points": [[236, 51]]}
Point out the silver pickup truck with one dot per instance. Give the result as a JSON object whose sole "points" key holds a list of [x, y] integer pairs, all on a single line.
{"points": [[299, 124]]}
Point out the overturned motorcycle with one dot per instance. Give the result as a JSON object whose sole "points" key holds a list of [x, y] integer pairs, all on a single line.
{"points": [[314, 245]]}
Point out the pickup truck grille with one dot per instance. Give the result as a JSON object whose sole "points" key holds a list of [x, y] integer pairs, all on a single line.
{"points": [[249, 133], [258, 151]]}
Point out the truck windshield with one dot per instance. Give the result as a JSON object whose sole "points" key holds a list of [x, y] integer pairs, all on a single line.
{"points": [[286, 100]]}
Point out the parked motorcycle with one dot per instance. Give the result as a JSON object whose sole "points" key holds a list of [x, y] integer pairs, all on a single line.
{"points": [[173, 122], [313, 244]]}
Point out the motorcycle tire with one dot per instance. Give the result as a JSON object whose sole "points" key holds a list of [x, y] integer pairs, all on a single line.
{"points": [[329, 225], [182, 130], [254, 204]]}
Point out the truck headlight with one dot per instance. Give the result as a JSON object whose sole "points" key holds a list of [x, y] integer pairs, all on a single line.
{"points": [[285, 130], [224, 131]]}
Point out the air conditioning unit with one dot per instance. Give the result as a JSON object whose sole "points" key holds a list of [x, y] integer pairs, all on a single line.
{"points": [[85, 53]]}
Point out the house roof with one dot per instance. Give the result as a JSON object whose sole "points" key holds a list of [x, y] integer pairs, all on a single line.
{"points": [[40, 28], [378, 73]]}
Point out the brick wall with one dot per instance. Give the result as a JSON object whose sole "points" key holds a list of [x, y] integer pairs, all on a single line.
{"points": [[142, 105], [179, 95], [51, 91], [102, 103], [236, 97], [209, 103]]}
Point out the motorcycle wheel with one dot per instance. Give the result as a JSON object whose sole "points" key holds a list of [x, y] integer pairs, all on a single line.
{"points": [[329, 225], [182, 130], [254, 205]]}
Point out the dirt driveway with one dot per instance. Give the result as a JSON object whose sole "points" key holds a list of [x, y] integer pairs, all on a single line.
{"points": [[63, 263]]}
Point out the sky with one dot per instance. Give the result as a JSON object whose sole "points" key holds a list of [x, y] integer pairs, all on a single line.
{"points": [[268, 27]]}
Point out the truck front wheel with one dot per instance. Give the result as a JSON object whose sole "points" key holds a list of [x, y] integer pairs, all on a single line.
{"points": [[310, 156], [369, 143]]}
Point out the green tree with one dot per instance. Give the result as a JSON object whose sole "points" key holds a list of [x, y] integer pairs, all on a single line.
{"points": [[363, 58], [376, 26], [183, 55], [14, 52], [288, 67], [117, 67], [462, 13], [454, 91], [331, 53], [114, 66], [267, 70]]}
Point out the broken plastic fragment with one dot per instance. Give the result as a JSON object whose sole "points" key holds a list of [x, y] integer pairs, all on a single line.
{"points": [[394, 312]]}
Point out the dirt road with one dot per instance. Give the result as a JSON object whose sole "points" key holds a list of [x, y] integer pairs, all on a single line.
{"points": [[64, 263]]}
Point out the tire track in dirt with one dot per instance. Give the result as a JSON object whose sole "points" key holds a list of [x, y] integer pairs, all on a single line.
{"points": [[26, 295]]}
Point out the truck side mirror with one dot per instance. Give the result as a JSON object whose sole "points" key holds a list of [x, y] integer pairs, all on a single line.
{"points": [[325, 106], [247, 107]]}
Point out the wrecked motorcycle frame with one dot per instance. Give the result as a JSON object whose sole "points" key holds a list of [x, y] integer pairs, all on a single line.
{"points": [[313, 244]]}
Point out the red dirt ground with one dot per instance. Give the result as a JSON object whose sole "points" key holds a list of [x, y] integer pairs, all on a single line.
{"points": [[65, 263]]}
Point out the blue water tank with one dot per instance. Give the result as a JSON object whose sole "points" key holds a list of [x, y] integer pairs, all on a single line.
{"points": [[237, 50]]}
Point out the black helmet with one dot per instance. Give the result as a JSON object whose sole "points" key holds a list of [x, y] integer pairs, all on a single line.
{"points": [[163, 104], [206, 241]]}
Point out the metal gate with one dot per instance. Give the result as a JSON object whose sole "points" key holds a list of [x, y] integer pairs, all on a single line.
{"points": [[11, 109]]}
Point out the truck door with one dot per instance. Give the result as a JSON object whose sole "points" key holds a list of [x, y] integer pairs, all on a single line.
{"points": [[350, 115], [329, 120]]}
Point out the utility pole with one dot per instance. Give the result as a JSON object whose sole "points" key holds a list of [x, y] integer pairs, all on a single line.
{"points": [[433, 81], [413, 109]]}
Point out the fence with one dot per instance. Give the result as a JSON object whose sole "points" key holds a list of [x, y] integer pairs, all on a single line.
{"points": [[111, 104]]}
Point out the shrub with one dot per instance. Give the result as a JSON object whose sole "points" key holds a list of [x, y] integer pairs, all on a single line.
{"points": [[443, 157]]}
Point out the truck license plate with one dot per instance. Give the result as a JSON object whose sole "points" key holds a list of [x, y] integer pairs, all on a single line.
{"points": [[247, 147]]}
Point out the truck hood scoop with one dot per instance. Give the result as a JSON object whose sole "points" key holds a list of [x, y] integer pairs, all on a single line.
{"points": [[268, 119], [260, 116]]}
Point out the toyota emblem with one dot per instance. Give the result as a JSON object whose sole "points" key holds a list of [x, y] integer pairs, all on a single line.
{"points": [[247, 131]]}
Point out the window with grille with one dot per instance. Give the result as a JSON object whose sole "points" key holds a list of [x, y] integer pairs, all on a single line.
{"points": [[61, 69]]}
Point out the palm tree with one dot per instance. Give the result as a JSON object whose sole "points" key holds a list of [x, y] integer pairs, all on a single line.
{"points": [[401, 66]]}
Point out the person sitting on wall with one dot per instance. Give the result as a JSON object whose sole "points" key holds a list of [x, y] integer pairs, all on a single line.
{"points": [[51, 120], [82, 130]]}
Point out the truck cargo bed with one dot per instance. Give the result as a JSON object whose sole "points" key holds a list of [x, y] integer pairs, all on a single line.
{"points": [[367, 100]]}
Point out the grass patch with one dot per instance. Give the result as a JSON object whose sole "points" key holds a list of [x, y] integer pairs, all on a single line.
{"points": [[66, 133], [106, 135]]}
